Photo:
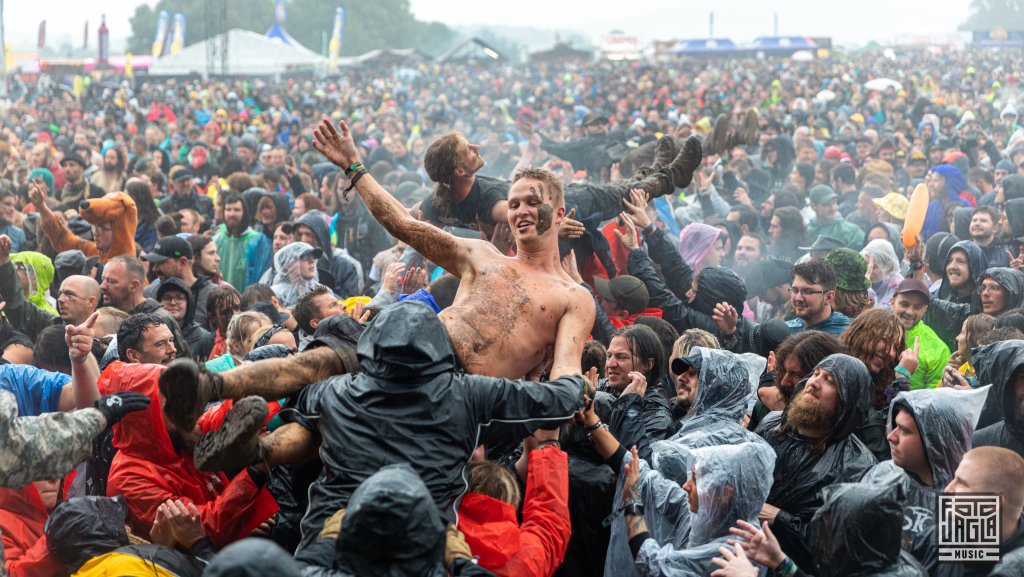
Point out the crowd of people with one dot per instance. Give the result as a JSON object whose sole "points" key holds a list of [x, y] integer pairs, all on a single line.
{"points": [[571, 319]]}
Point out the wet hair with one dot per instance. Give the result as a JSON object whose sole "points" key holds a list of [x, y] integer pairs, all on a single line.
{"points": [[241, 329], [132, 266], [255, 293], [747, 216], [222, 302], [844, 173], [976, 328], [546, 177], [1013, 319], [863, 336], [129, 334], [166, 225], [139, 191], [808, 347], [306, 311], [444, 290], [817, 271], [110, 319], [998, 335], [594, 355], [645, 345], [667, 333], [851, 303], [693, 338], [311, 201], [51, 351], [240, 182], [792, 224], [440, 162], [494, 480]]}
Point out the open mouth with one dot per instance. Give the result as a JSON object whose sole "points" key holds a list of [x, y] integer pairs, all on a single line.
{"points": [[523, 226]]}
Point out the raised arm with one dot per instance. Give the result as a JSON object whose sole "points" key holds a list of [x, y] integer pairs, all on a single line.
{"points": [[440, 247]]}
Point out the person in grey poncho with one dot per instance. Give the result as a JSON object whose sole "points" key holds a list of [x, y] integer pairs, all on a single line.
{"points": [[295, 272], [727, 482], [722, 392]]}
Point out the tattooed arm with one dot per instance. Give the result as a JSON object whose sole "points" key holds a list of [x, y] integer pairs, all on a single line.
{"points": [[438, 246]]}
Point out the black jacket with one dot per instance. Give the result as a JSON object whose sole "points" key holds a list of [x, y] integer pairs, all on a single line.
{"points": [[409, 405], [391, 528], [361, 235], [998, 425], [856, 533], [945, 420], [799, 474], [345, 277], [946, 312], [200, 340]]}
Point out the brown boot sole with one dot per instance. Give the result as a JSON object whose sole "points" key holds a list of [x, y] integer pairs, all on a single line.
{"points": [[235, 445]]}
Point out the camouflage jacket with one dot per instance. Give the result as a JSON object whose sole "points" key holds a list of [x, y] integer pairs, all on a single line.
{"points": [[43, 447]]}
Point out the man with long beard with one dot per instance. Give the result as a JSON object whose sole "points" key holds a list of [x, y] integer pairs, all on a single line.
{"points": [[815, 447]]}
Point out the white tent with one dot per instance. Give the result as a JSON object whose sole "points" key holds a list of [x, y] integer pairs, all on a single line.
{"points": [[249, 54]]}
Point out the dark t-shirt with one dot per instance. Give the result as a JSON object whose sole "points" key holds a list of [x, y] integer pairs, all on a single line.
{"points": [[482, 197]]}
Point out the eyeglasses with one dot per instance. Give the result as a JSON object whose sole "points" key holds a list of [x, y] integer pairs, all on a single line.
{"points": [[805, 292], [174, 298], [990, 288]]}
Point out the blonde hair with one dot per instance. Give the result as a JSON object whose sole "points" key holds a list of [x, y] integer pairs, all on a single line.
{"points": [[242, 329], [694, 338], [545, 176]]}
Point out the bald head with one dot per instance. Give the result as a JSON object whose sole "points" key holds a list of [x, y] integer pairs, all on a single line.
{"points": [[78, 297]]}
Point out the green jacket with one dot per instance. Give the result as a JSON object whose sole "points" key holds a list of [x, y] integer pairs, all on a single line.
{"points": [[932, 357], [24, 316], [40, 274], [844, 230]]}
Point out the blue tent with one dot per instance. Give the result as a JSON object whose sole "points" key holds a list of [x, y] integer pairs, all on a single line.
{"points": [[782, 44], [704, 47], [277, 32]]}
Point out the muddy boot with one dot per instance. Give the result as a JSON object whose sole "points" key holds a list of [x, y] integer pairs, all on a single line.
{"points": [[655, 185], [718, 141], [664, 152], [686, 162], [188, 388], [236, 444], [747, 134]]}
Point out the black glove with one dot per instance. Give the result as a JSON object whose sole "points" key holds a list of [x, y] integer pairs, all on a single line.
{"points": [[114, 407]]}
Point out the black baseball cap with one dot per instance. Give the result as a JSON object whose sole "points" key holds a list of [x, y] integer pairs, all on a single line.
{"points": [[169, 247]]}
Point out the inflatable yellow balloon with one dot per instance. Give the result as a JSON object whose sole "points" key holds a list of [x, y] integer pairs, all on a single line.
{"points": [[915, 215]]}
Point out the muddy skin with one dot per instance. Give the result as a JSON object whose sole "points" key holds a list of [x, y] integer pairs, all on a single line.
{"points": [[544, 214]]}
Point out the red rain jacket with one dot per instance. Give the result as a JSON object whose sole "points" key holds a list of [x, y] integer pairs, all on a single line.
{"points": [[147, 470], [535, 548]]}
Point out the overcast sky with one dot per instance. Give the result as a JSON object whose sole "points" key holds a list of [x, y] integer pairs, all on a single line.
{"points": [[846, 21]]}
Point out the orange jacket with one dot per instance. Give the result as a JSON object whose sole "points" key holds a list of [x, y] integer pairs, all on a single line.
{"points": [[116, 208], [535, 548], [148, 471], [22, 518]]}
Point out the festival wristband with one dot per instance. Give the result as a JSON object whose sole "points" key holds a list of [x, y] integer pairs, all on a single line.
{"points": [[903, 371]]}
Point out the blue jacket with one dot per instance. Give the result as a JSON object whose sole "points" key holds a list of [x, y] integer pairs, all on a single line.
{"points": [[833, 325], [36, 390]]}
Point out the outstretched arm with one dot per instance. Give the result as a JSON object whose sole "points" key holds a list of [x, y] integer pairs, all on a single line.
{"points": [[438, 246]]}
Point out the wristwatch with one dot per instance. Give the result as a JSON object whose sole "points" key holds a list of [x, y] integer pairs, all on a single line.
{"points": [[634, 507]]}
